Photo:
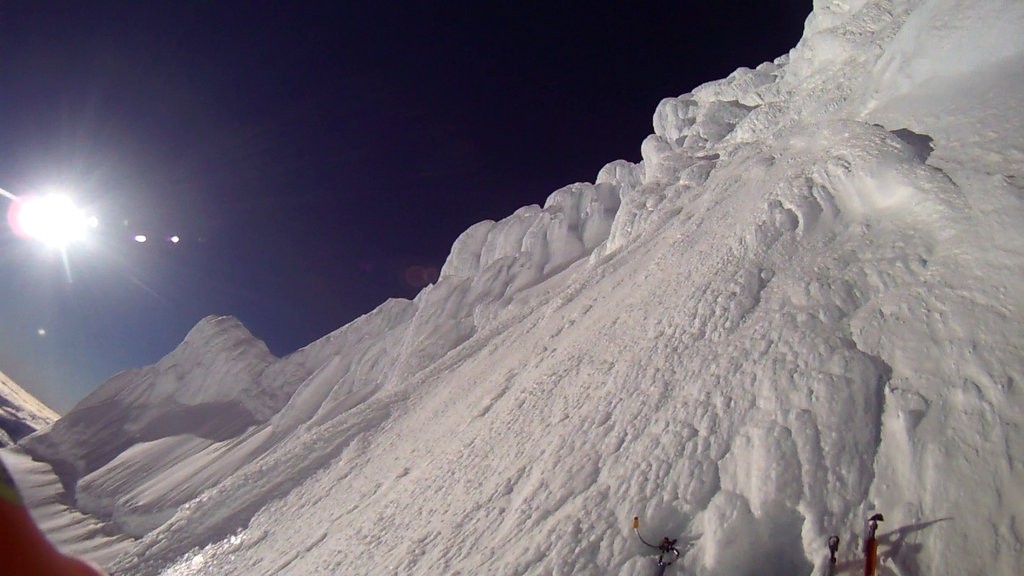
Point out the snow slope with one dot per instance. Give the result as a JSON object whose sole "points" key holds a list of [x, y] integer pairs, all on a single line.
{"points": [[20, 413], [802, 307]]}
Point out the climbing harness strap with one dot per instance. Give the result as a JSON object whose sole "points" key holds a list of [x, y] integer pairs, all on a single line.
{"points": [[668, 553]]}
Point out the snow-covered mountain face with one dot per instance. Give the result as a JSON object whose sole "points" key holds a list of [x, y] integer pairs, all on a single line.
{"points": [[208, 387], [804, 306], [21, 413]]}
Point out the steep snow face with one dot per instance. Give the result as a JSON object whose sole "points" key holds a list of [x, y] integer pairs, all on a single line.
{"points": [[802, 307], [21, 413]]}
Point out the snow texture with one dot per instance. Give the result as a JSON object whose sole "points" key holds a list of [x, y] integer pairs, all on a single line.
{"points": [[802, 307]]}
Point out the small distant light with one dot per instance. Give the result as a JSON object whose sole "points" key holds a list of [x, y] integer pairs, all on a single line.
{"points": [[140, 238], [41, 332], [175, 239]]}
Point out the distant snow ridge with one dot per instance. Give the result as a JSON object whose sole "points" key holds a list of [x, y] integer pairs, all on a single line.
{"points": [[21, 413], [208, 389], [802, 307]]}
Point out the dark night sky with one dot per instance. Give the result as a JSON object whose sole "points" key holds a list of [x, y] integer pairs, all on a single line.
{"points": [[309, 155]]}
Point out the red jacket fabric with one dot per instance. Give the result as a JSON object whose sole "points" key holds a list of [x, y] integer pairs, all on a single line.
{"points": [[24, 549]]}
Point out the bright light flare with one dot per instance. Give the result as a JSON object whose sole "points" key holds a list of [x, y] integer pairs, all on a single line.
{"points": [[141, 238], [53, 220]]}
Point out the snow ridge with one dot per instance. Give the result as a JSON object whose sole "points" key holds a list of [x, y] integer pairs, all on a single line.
{"points": [[21, 413]]}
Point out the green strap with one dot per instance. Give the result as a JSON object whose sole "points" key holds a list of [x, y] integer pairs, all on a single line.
{"points": [[8, 489]]}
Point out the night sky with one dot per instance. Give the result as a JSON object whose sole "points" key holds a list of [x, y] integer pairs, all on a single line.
{"points": [[314, 158]]}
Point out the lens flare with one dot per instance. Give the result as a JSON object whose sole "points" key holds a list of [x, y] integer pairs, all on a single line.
{"points": [[53, 220]]}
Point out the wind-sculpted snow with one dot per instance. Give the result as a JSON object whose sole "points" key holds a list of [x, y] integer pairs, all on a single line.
{"points": [[802, 307], [493, 261], [573, 221], [135, 462], [208, 387]]}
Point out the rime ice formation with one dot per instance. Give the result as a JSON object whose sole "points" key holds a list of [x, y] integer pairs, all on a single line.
{"points": [[803, 306]]}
